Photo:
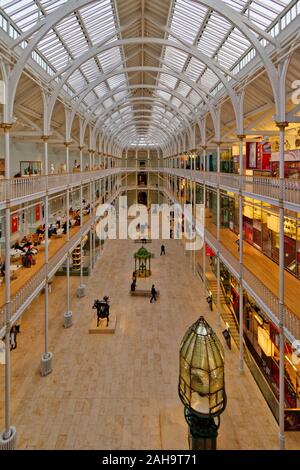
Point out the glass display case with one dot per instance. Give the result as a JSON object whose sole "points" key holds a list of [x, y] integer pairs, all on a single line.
{"points": [[30, 168]]}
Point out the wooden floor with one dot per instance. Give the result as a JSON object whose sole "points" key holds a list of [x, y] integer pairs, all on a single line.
{"points": [[119, 391], [266, 270], [25, 274]]}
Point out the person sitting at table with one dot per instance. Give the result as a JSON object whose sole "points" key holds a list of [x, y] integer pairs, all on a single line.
{"points": [[28, 259], [17, 246], [27, 245], [77, 218], [41, 230], [58, 221], [2, 268], [52, 230], [64, 227]]}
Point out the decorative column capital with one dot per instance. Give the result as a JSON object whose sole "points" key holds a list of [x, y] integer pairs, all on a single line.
{"points": [[218, 143], [81, 147], [44, 138], [204, 147], [241, 136], [67, 144], [282, 124], [6, 126], [91, 150]]}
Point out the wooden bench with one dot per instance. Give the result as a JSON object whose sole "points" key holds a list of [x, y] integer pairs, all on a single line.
{"points": [[142, 293]]}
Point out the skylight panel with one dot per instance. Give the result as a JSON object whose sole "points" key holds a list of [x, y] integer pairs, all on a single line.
{"points": [[72, 35], [194, 68], [119, 95], [90, 70], [110, 59], [168, 80], [183, 89], [98, 20], [108, 103], [175, 58], [89, 99], [101, 89], [194, 98], [77, 80], [164, 95], [186, 19], [117, 80], [209, 79], [176, 102]]}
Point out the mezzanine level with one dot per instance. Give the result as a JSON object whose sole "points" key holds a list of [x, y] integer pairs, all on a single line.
{"points": [[19, 190], [30, 287], [252, 283], [261, 188]]}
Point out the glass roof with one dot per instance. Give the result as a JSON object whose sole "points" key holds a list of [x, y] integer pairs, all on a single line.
{"points": [[73, 37], [214, 36], [189, 21]]}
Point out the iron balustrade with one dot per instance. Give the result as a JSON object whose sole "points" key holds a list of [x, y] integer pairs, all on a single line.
{"points": [[15, 189], [266, 187]]}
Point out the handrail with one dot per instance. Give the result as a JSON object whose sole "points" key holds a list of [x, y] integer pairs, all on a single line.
{"points": [[14, 189], [267, 187], [24, 296]]}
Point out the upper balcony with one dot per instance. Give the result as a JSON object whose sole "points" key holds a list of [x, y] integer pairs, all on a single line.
{"points": [[19, 190]]}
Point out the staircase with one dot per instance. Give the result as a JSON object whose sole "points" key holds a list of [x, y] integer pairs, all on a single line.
{"points": [[228, 317], [226, 313]]}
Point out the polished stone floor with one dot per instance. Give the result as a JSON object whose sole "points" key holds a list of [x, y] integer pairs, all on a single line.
{"points": [[119, 391]]}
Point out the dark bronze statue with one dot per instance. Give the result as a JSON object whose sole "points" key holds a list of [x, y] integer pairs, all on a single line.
{"points": [[102, 307]]}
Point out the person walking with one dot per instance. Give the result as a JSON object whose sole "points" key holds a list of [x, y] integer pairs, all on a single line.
{"points": [[13, 337], [162, 250], [237, 241], [153, 294]]}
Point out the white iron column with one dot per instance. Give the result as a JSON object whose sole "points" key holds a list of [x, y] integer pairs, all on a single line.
{"points": [[195, 213], [148, 177], [204, 147], [81, 287], [8, 437], [241, 256], [218, 232], [136, 175], [281, 126], [46, 360], [185, 182], [91, 204], [68, 320], [93, 211], [126, 165]]}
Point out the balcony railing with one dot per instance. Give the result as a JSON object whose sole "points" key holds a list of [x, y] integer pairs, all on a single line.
{"points": [[266, 187], [35, 186]]}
